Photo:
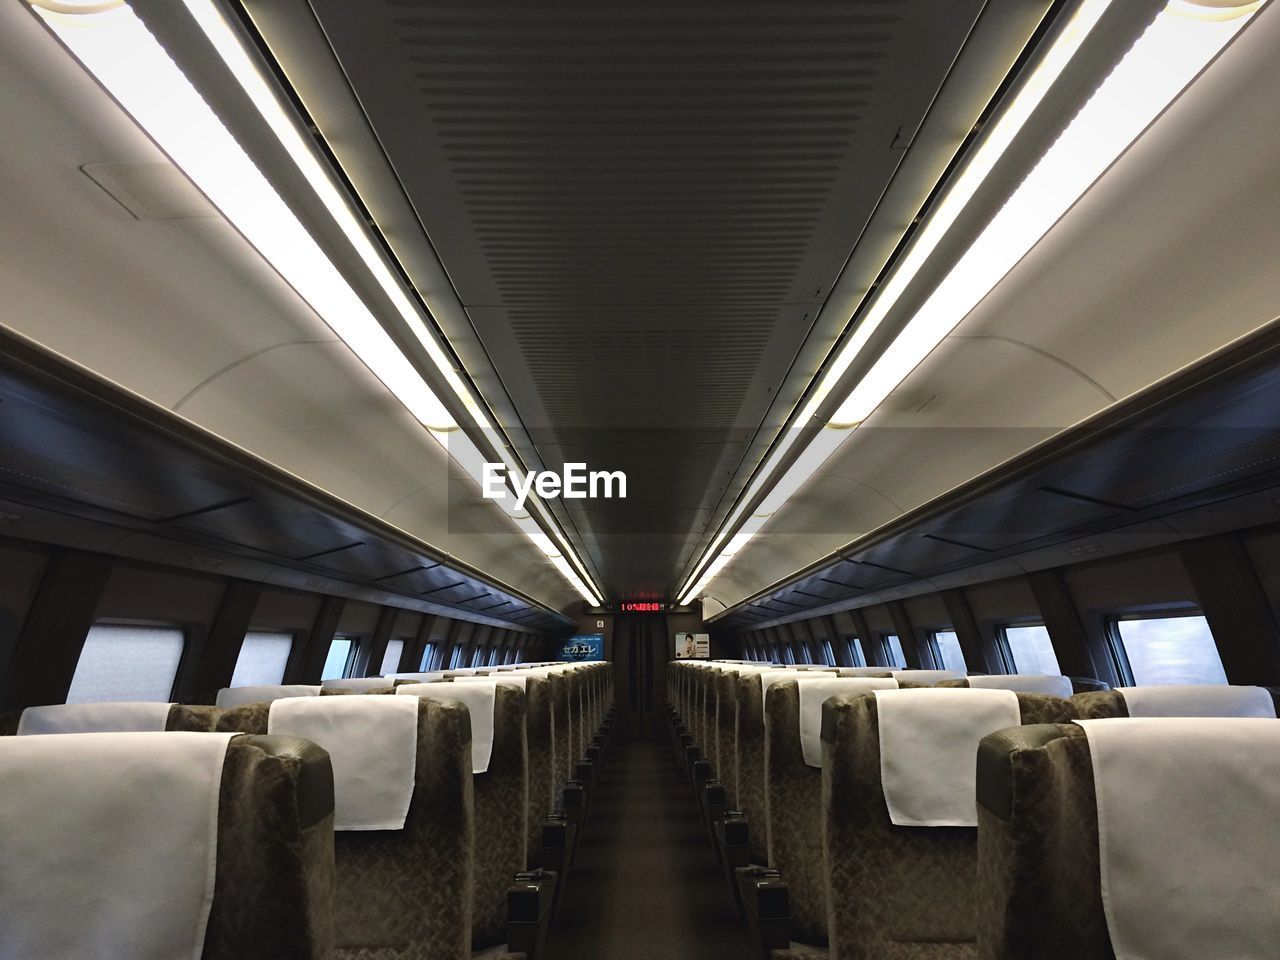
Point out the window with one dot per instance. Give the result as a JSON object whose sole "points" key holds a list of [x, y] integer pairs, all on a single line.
{"points": [[263, 657], [828, 655], [520, 655], [856, 657], [428, 657], [1030, 649], [122, 662], [893, 650], [455, 658], [788, 655], [946, 646], [391, 658], [1168, 650], [477, 657], [336, 663]]}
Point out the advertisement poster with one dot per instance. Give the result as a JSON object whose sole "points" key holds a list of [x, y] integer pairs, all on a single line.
{"points": [[692, 646], [589, 646]]}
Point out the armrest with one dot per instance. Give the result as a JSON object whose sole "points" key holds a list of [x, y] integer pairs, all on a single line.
{"points": [[529, 903], [767, 904]]}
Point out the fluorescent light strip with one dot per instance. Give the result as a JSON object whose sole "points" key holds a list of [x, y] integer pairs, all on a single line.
{"points": [[1177, 46], [116, 47], [225, 40], [941, 219], [1165, 59]]}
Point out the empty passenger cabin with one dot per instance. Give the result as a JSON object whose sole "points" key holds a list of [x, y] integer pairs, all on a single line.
{"points": [[639, 479]]}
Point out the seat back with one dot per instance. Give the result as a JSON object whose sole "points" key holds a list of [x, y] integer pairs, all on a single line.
{"points": [[407, 893], [793, 799], [726, 742], [749, 787], [542, 763], [273, 861], [501, 797], [889, 887], [1181, 866]]}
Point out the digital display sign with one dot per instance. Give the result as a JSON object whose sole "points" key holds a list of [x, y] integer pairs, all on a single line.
{"points": [[640, 605]]}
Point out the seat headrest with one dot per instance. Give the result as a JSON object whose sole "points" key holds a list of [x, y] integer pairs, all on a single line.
{"points": [[770, 677], [86, 816], [927, 676], [1203, 700], [516, 680], [866, 671], [1187, 841], [373, 745], [419, 677], [928, 744], [479, 695], [95, 718], [229, 697], [1055, 686], [816, 691], [356, 684]]}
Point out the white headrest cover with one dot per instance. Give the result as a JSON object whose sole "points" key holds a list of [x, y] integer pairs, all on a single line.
{"points": [[373, 744], [865, 671], [1187, 835], [1203, 700], [229, 697], [516, 680], [95, 718], [929, 747], [814, 692], [358, 684], [1054, 686], [479, 694], [108, 843], [421, 676], [927, 676]]}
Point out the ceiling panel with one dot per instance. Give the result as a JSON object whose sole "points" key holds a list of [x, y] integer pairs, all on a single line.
{"points": [[642, 207]]}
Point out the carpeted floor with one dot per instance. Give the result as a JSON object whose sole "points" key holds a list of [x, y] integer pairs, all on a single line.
{"points": [[646, 885]]}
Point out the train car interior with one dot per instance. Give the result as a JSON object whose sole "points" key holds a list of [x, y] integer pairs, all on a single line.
{"points": [[639, 479]]}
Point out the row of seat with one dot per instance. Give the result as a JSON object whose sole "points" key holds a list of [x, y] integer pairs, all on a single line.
{"points": [[855, 809], [410, 818]]}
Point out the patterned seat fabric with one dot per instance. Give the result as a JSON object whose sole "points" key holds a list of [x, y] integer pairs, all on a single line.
{"points": [[750, 788], [542, 764], [1039, 891], [501, 802], [562, 725], [274, 886], [406, 894], [893, 892], [726, 757], [793, 814]]}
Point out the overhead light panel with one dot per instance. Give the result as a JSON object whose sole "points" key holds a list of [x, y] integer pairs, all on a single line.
{"points": [[1182, 40]]}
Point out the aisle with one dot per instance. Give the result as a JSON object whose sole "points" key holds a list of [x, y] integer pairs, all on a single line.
{"points": [[646, 885]]}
